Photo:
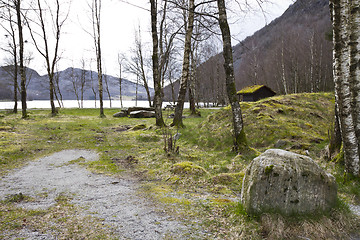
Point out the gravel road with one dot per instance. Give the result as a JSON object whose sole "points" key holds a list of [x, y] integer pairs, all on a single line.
{"points": [[113, 200]]}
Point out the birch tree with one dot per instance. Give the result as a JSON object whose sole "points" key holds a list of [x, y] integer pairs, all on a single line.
{"points": [[239, 133], [19, 12], [186, 65], [346, 27], [19, 21], [96, 34], [137, 62], [107, 89], [120, 59], [75, 83], [83, 82], [94, 86], [58, 93], [57, 22], [155, 65], [354, 44], [12, 49]]}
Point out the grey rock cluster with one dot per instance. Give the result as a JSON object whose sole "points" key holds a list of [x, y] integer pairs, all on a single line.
{"points": [[136, 112]]}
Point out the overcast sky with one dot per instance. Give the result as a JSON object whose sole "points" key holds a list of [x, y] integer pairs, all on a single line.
{"points": [[118, 22]]}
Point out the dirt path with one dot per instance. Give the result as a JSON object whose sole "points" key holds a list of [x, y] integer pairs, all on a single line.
{"points": [[113, 200]]}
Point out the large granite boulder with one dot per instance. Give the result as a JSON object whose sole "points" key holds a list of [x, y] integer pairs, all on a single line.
{"points": [[287, 183]]}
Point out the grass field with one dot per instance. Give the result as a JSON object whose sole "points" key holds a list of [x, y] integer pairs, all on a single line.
{"points": [[203, 180]]}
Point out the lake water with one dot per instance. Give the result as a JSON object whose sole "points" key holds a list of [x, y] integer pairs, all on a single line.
{"points": [[45, 104]]}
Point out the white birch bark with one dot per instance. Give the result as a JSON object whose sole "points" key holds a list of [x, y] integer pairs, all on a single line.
{"points": [[283, 77], [342, 84], [312, 62], [239, 134], [354, 30], [155, 61], [186, 67]]}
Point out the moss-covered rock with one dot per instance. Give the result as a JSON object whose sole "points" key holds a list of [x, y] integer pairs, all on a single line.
{"points": [[288, 183], [188, 168], [138, 127]]}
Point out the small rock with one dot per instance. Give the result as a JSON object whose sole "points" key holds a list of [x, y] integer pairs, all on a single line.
{"points": [[120, 114], [173, 115]]}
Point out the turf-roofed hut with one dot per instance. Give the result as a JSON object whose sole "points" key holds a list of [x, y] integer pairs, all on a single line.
{"points": [[255, 93]]}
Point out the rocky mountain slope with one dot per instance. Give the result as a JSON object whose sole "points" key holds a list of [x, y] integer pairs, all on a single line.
{"points": [[69, 80]]}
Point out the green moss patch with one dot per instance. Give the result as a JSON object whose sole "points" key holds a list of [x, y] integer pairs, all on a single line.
{"points": [[202, 181], [188, 168], [250, 89], [302, 120], [228, 178]]}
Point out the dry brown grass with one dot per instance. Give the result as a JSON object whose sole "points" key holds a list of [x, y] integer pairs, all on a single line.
{"points": [[336, 225]]}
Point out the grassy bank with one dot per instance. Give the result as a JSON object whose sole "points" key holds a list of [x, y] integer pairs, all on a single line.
{"points": [[203, 180]]}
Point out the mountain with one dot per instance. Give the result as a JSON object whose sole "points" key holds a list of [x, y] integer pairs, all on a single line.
{"points": [[68, 80], [291, 54]]}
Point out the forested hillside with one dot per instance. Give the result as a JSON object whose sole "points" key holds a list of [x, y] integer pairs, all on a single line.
{"points": [[292, 54]]}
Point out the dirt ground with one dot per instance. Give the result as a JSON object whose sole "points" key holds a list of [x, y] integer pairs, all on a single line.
{"points": [[112, 200]]}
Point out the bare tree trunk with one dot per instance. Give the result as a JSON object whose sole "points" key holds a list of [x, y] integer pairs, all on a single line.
{"points": [[15, 110], [354, 28], [96, 17], [155, 61], [146, 86], [15, 61], [312, 57], [142, 69], [239, 133], [21, 56], [120, 59], [136, 91], [185, 70], [57, 90], [92, 85], [82, 82], [45, 50], [107, 89], [335, 136], [75, 84], [343, 86], [12, 45], [283, 76], [172, 92], [192, 84]]}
